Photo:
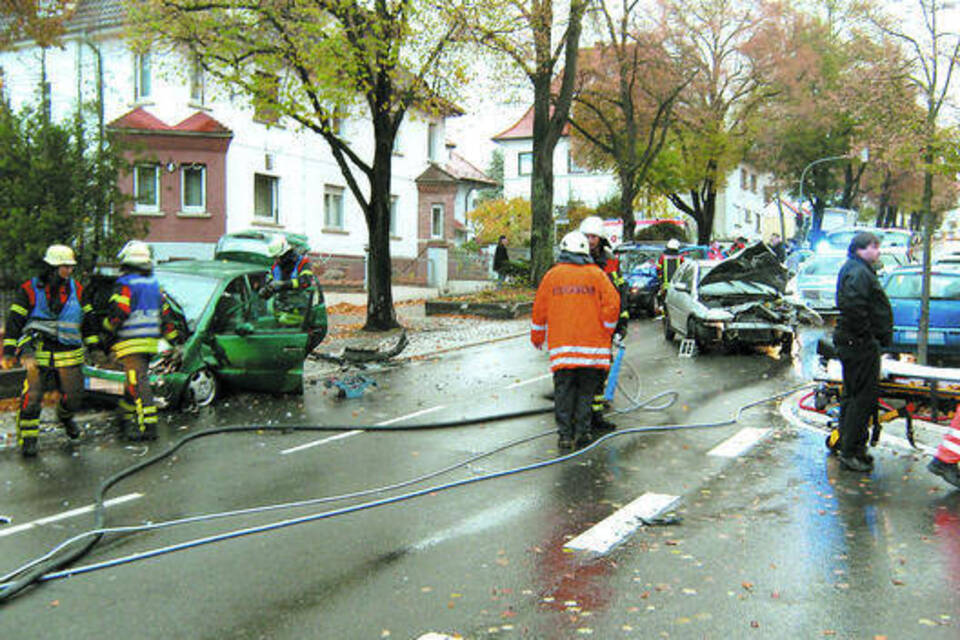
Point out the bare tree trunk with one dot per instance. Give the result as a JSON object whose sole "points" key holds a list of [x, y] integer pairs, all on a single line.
{"points": [[380, 312], [541, 184], [628, 191]]}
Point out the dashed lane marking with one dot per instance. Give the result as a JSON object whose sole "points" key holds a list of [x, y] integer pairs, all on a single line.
{"points": [[620, 525], [350, 434], [530, 381], [66, 514], [739, 443]]}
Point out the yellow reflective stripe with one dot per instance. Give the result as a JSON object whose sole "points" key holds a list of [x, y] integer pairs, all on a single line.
{"points": [[132, 376], [87, 308], [67, 358], [107, 325], [120, 299], [624, 314], [295, 283], [23, 340], [136, 345], [126, 406], [9, 342], [172, 335], [18, 309], [92, 340]]}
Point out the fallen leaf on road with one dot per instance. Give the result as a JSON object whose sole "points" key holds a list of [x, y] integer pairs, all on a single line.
{"points": [[746, 585]]}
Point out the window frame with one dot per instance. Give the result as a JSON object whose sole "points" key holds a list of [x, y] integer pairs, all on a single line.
{"points": [[202, 207], [139, 207], [521, 156], [434, 207], [141, 70], [329, 192], [274, 183]]}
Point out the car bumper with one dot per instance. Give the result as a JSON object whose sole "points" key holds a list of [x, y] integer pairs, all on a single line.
{"points": [[743, 332]]}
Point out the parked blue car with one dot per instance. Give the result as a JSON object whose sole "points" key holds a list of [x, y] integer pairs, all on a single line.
{"points": [[638, 264], [903, 290]]}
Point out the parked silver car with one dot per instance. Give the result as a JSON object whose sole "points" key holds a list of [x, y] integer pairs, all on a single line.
{"points": [[816, 281], [735, 301]]}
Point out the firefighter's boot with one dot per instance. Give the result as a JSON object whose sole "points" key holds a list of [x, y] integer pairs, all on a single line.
{"points": [[948, 472]]}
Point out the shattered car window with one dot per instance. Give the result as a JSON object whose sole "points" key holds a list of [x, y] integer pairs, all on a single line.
{"points": [[191, 292], [736, 287]]}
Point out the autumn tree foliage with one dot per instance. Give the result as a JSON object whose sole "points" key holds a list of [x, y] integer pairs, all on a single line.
{"points": [[40, 21], [314, 62], [494, 218], [733, 48], [623, 101], [540, 38]]}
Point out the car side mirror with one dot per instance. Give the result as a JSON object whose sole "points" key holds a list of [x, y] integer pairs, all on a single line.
{"points": [[244, 328]]}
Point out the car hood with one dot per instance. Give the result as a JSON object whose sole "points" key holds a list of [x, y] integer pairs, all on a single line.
{"points": [[756, 263]]}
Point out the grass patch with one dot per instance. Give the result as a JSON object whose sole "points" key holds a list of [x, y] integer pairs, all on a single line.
{"points": [[508, 295]]}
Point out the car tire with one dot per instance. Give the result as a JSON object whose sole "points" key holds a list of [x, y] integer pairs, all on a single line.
{"points": [[692, 334], [201, 389], [668, 332]]}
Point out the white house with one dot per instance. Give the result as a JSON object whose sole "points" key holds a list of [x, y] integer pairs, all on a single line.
{"points": [[206, 163], [739, 206]]}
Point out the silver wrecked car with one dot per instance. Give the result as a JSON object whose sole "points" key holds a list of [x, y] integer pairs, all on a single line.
{"points": [[732, 302]]}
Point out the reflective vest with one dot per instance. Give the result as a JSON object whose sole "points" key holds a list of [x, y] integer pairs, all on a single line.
{"points": [[668, 266], [65, 327], [575, 312], [291, 305], [145, 304]]}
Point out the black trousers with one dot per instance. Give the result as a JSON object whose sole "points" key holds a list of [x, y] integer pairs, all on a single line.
{"points": [[861, 373], [573, 396]]}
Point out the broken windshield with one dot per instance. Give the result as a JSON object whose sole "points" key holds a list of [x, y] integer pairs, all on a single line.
{"points": [[191, 292]]}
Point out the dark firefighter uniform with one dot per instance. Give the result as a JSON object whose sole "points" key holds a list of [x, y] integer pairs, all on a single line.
{"points": [[864, 325], [667, 265], [610, 265], [575, 313], [298, 301], [132, 323], [47, 325]]}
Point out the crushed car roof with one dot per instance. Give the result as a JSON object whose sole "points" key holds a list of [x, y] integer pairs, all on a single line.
{"points": [[756, 263]]}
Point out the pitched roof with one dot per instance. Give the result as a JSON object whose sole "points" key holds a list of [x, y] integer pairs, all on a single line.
{"points": [[90, 15], [457, 170], [523, 128], [141, 121]]}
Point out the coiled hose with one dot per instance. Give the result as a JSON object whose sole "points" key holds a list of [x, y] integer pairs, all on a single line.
{"points": [[50, 566]]}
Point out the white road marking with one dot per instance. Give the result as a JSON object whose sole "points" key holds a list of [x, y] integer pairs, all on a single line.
{"points": [[349, 434], [530, 381], [739, 443], [66, 514], [620, 525]]}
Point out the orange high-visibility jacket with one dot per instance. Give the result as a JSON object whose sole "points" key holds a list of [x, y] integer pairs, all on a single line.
{"points": [[575, 312]]}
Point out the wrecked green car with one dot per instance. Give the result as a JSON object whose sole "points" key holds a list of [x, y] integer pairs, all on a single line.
{"points": [[234, 337]]}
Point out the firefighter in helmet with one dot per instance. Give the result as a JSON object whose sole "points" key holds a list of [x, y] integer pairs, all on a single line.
{"points": [[47, 325], [297, 299], [602, 255], [132, 326], [667, 264]]}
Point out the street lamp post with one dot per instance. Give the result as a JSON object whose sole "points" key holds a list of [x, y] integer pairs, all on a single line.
{"points": [[864, 157]]}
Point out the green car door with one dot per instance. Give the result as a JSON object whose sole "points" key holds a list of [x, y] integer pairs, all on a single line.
{"points": [[251, 349]]}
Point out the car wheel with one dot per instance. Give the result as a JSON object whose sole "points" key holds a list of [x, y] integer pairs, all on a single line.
{"points": [[654, 307], [702, 345], [668, 331], [201, 388]]}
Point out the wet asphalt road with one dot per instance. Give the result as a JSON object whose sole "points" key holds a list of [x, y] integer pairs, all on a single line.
{"points": [[775, 542]]}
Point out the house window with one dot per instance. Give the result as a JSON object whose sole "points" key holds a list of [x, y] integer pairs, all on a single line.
{"points": [[196, 82], [525, 163], [193, 188], [743, 179], [333, 207], [433, 141], [753, 183], [393, 215], [265, 191], [572, 166], [146, 188], [267, 90], [142, 78], [436, 221]]}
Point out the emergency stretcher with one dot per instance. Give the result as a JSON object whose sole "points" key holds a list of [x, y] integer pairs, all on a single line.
{"points": [[906, 390]]}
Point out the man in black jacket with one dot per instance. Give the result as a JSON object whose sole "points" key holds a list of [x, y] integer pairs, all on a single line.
{"points": [[864, 325], [501, 258]]}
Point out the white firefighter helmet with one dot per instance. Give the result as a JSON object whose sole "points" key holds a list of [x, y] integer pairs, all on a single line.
{"points": [[575, 242], [673, 244], [59, 255], [592, 226], [135, 253], [277, 246]]}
